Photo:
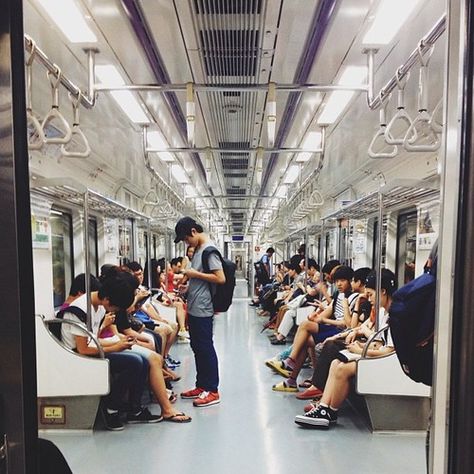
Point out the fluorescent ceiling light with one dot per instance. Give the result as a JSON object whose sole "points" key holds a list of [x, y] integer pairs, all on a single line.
{"points": [[156, 141], [311, 142], [282, 191], [275, 202], [179, 174], [110, 76], [389, 18], [292, 174], [69, 19], [338, 100]]}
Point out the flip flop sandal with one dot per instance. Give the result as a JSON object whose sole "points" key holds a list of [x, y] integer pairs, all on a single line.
{"points": [[175, 418], [284, 387]]}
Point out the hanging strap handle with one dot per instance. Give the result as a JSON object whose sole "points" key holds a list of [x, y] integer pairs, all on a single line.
{"points": [[421, 125], [85, 150], [54, 113], [401, 119], [36, 138], [380, 133]]}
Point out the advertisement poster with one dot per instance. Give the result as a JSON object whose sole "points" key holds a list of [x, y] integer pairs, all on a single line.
{"points": [[41, 232]]}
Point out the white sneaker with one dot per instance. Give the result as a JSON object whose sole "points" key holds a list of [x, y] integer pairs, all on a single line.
{"points": [[183, 333]]}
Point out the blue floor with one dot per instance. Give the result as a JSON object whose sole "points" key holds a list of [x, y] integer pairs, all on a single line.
{"points": [[251, 431]]}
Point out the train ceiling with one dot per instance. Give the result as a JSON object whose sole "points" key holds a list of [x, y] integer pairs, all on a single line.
{"points": [[236, 44]]}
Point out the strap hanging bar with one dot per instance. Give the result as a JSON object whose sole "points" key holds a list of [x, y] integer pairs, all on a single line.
{"points": [[77, 132], [427, 139], [54, 113], [381, 133], [401, 121], [37, 138]]}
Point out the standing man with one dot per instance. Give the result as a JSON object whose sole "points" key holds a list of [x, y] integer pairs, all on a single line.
{"points": [[267, 261], [200, 289]]}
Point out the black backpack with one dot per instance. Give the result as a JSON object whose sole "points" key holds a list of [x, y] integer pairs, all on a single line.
{"points": [[412, 315], [261, 273], [55, 328], [221, 294]]}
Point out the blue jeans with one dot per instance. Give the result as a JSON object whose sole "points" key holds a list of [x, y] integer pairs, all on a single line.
{"points": [[207, 370], [129, 372]]}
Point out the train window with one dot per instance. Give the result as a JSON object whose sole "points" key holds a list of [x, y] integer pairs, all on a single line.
{"points": [[93, 247], [62, 254], [406, 247], [125, 242], [154, 246]]}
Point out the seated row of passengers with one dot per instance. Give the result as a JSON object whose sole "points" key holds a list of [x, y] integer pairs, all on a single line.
{"points": [[121, 312], [343, 320]]}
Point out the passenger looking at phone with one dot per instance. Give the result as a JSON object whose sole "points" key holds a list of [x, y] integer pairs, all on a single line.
{"points": [[341, 373], [319, 325], [201, 311]]}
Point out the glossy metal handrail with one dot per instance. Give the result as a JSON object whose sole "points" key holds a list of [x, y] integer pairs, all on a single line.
{"points": [[47, 322], [76, 132], [54, 113], [370, 340]]}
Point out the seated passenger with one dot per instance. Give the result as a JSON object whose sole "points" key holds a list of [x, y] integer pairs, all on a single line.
{"points": [[332, 320], [78, 288], [129, 369], [332, 345], [289, 313], [341, 373]]}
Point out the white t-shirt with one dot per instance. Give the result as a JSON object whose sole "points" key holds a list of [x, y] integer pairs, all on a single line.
{"points": [[69, 332], [339, 308], [386, 335]]}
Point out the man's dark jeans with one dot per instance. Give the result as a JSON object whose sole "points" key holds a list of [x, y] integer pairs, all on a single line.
{"points": [[200, 331]]}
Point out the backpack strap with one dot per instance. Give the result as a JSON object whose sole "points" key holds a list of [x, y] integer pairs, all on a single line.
{"points": [[76, 311], [205, 257]]}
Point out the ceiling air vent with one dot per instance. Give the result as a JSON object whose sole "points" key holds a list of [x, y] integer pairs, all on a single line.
{"points": [[227, 7], [230, 52], [231, 94], [236, 192], [236, 175]]}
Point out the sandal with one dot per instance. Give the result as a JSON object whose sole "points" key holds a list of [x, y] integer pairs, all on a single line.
{"points": [[305, 384], [284, 387], [176, 418]]}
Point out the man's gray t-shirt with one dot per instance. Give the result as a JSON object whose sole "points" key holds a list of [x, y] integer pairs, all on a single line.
{"points": [[199, 298]]}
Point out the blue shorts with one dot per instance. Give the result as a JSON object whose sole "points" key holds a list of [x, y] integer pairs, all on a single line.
{"points": [[325, 331]]}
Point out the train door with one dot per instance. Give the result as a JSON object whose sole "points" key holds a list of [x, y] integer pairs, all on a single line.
{"points": [[406, 247], [93, 246], [125, 241], [18, 423]]}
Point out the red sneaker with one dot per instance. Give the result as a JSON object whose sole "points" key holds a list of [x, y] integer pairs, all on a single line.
{"points": [[206, 399], [311, 406], [193, 393], [309, 394]]}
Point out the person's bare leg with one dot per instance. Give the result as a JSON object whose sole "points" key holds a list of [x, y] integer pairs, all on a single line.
{"points": [[157, 384]]}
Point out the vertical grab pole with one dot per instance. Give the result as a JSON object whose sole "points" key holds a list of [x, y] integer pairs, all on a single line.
{"points": [[378, 265], [87, 262], [306, 243], [322, 244], [148, 250]]}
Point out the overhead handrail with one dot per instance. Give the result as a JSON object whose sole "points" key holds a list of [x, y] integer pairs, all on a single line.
{"points": [[422, 122], [32, 121], [401, 118], [54, 113], [437, 123], [77, 132], [316, 199], [381, 132]]}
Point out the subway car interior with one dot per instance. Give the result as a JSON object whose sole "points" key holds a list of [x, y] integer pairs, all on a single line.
{"points": [[324, 129]]}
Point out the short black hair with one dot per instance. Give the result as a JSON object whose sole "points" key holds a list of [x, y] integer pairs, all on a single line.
{"points": [[295, 267], [184, 228], [388, 281], [312, 264], [330, 265], [78, 285], [134, 266], [175, 261], [361, 274], [270, 250], [343, 272], [119, 289]]}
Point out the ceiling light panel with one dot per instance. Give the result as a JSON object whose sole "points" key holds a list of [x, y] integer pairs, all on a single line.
{"points": [[389, 18], [69, 19], [292, 174]]}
